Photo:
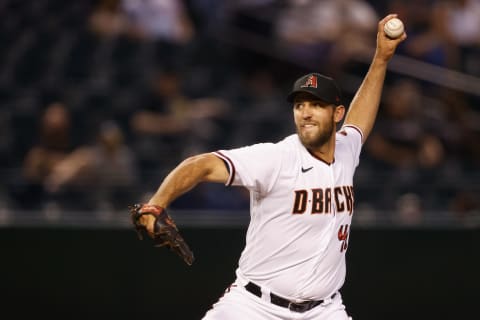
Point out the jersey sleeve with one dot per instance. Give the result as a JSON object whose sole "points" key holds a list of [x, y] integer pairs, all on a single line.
{"points": [[255, 167], [350, 137]]}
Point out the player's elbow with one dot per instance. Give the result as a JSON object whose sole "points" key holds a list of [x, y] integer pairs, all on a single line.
{"points": [[208, 167]]}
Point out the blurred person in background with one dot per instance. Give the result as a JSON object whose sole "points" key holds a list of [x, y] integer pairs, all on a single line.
{"points": [[400, 139], [334, 30], [459, 179], [466, 207], [53, 146], [167, 20], [461, 19], [404, 147], [103, 174], [409, 210], [457, 125], [169, 124], [428, 40], [256, 99], [108, 20]]}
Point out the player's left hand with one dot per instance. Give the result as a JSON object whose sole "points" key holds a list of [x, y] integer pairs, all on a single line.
{"points": [[386, 46], [163, 231]]}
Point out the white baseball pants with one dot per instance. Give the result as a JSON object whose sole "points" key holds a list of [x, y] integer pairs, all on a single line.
{"points": [[239, 304]]}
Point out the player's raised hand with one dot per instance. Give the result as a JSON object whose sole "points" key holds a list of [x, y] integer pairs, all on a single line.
{"points": [[386, 45]]}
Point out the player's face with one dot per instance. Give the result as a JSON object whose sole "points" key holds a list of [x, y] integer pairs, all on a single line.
{"points": [[314, 120]]}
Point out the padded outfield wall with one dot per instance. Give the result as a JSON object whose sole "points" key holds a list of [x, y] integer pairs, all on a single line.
{"points": [[109, 274]]}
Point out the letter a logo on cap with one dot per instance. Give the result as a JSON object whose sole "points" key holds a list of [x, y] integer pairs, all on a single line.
{"points": [[311, 82]]}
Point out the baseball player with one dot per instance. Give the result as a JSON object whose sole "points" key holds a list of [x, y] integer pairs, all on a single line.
{"points": [[301, 195]]}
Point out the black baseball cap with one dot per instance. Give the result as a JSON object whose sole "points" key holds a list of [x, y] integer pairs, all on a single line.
{"points": [[320, 86]]}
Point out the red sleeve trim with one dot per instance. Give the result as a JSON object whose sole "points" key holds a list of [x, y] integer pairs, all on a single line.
{"points": [[231, 167], [356, 128]]}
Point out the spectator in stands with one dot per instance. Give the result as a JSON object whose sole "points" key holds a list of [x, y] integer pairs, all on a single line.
{"points": [[107, 19], [461, 20], [167, 20], [53, 146], [465, 207], [428, 40], [457, 126], [404, 147], [458, 183], [409, 210], [257, 98], [400, 140], [331, 31], [169, 125], [103, 173]]}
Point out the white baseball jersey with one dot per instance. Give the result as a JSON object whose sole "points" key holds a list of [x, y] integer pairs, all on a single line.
{"points": [[301, 210]]}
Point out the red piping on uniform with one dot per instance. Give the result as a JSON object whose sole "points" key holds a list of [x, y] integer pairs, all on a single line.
{"points": [[232, 166], [356, 128]]}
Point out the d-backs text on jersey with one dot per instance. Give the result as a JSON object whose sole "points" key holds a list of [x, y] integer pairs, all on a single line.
{"points": [[321, 200]]}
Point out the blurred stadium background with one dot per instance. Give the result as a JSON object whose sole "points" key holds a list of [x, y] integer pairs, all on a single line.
{"points": [[99, 99]]}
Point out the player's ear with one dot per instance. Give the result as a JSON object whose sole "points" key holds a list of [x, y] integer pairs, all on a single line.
{"points": [[339, 113]]}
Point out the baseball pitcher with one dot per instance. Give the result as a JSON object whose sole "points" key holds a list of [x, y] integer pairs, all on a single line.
{"points": [[301, 198]]}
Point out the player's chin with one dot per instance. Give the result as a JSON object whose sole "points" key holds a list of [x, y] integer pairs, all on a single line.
{"points": [[308, 138], [309, 133], [313, 138]]}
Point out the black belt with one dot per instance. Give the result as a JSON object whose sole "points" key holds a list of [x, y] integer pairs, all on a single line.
{"points": [[282, 302]]}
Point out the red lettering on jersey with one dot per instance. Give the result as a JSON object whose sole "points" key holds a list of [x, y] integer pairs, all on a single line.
{"points": [[321, 200], [348, 192], [339, 204], [317, 201], [328, 200], [300, 202]]}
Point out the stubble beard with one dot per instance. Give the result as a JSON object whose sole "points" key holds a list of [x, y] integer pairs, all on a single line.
{"points": [[319, 139]]}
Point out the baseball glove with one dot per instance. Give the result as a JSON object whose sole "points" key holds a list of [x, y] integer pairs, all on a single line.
{"points": [[165, 232]]}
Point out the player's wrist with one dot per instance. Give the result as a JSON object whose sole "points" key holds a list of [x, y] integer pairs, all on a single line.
{"points": [[152, 208], [380, 59]]}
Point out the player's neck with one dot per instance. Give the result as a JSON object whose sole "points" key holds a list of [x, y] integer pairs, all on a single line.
{"points": [[326, 152]]}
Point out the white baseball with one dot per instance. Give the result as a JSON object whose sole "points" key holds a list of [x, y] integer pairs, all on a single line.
{"points": [[394, 28]]}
